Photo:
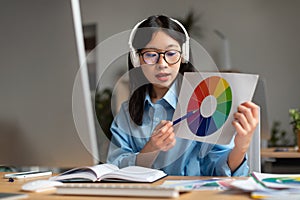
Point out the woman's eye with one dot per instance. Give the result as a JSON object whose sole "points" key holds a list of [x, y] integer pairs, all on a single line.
{"points": [[171, 53], [150, 55]]}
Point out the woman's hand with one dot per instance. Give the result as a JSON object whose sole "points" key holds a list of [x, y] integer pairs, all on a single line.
{"points": [[245, 123], [162, 138]]}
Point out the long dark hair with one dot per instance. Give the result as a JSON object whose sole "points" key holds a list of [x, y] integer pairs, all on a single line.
{"points": [[141, 39]]}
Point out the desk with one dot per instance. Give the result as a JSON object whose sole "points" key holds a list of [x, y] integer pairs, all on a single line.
{"points": [[15, 187], [281, 161], [271, 153]]}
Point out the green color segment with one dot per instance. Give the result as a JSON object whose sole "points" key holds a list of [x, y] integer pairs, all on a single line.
{"points": [[224, 107], [219, 118], [225, 96]]}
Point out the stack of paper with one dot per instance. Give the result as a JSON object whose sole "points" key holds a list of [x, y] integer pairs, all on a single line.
{"points": [[268, 186]]}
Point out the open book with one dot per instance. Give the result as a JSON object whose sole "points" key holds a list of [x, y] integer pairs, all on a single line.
{"points": [[111, 172]]}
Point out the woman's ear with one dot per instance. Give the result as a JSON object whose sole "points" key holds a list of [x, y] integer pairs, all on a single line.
{"points": [[183, 60]]}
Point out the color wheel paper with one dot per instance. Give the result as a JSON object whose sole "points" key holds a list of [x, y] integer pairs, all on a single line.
{"points": [[207, 102]]}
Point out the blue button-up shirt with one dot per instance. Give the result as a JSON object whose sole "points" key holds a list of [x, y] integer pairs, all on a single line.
{"points": [[187, 157]]}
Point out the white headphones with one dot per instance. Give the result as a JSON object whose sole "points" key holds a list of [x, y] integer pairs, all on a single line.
{"points": [[134, 55]]}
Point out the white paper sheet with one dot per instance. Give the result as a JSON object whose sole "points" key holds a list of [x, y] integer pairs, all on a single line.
{"points": [[207, 102]]}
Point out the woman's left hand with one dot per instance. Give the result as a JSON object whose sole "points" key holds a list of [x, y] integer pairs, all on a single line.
{"points": [[245, 123]]}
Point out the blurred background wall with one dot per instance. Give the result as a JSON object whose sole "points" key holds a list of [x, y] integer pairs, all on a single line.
{"points": [[263, 38]]}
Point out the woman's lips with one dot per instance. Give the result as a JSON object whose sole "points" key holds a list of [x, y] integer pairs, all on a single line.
{"points": [[163, 76]]}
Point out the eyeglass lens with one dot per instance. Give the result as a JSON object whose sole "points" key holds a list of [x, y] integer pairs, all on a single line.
{"points": [[152, 57]]}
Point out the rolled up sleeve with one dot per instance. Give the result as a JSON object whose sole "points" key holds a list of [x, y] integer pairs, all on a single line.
{"points": [[215, 163], [120, 152]]}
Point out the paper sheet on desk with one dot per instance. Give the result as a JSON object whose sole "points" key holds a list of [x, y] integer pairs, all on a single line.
{"points": [[206, 104], [267, 186], [278, 181], [188, 185]]}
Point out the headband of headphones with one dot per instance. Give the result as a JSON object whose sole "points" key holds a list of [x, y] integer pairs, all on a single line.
{"points": [[134, 55]]}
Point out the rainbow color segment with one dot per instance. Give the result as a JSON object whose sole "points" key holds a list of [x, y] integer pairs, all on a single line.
{"points": [[283, 180], [218, 88]]}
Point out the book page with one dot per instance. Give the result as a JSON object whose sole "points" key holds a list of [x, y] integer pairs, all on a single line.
{"points": [[91, 173], [207, 102], [103, 169], [136, 174]]}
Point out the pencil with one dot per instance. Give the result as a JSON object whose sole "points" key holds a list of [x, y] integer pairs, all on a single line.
{"points": [[184, 117]]}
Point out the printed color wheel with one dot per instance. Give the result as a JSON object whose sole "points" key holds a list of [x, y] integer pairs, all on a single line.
{"points": [[209, 106]]}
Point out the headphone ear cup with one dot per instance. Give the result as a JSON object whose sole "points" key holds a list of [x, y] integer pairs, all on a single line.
{"points": [[185, 52], [134, 58]]}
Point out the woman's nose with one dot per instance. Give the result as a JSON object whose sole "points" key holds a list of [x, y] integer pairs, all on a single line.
{"points": [[161, 60]]}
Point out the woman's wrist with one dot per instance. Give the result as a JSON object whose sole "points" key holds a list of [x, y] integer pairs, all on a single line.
{"points": [[235, 158], [146, 159]]}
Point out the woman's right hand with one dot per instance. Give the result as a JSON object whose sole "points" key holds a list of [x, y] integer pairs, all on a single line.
{"points": [[162, 138]]}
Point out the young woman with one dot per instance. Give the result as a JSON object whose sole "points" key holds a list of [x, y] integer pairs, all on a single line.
{"points": [[142, 131]]}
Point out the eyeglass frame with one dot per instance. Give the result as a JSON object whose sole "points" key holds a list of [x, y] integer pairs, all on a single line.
{"points": [[159, 53]]}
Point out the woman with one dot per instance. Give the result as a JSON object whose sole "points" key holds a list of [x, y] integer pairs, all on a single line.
{"points": [[142, 131]]}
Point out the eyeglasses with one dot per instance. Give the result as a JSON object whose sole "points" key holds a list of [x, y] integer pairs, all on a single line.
{"points": [[170, 56]]}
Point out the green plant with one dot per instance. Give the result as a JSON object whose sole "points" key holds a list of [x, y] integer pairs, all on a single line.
{"points": [[295, 119], [191, 23], [295, 122], [278, 136], [103, 110]]}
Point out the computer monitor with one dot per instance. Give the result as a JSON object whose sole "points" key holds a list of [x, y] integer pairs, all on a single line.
{"points": [[41, 64], [260, 98]]}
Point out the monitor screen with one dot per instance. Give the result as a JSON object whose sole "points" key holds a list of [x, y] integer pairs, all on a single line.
{"points": [[46, 116], [260, 98]]}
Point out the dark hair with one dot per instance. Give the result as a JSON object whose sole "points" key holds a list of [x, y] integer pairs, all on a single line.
{"points": [[139, 84]]}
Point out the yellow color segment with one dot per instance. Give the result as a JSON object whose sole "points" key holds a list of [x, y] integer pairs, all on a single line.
{"points": [[221, 87]]}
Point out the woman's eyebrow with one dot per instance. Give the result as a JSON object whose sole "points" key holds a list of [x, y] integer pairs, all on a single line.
{"points": [[167, 47], [172, 45]]}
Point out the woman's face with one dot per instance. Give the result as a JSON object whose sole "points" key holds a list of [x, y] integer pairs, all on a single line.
{"points": [[161, 74]]}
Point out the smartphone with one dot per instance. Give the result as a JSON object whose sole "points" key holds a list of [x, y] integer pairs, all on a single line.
{"points": [[29, 174]]}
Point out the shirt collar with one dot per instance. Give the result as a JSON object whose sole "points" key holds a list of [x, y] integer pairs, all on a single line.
{"points": [[170, 97]]}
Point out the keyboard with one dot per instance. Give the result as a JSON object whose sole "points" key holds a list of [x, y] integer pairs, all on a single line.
{"points": [[129, 190]]}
